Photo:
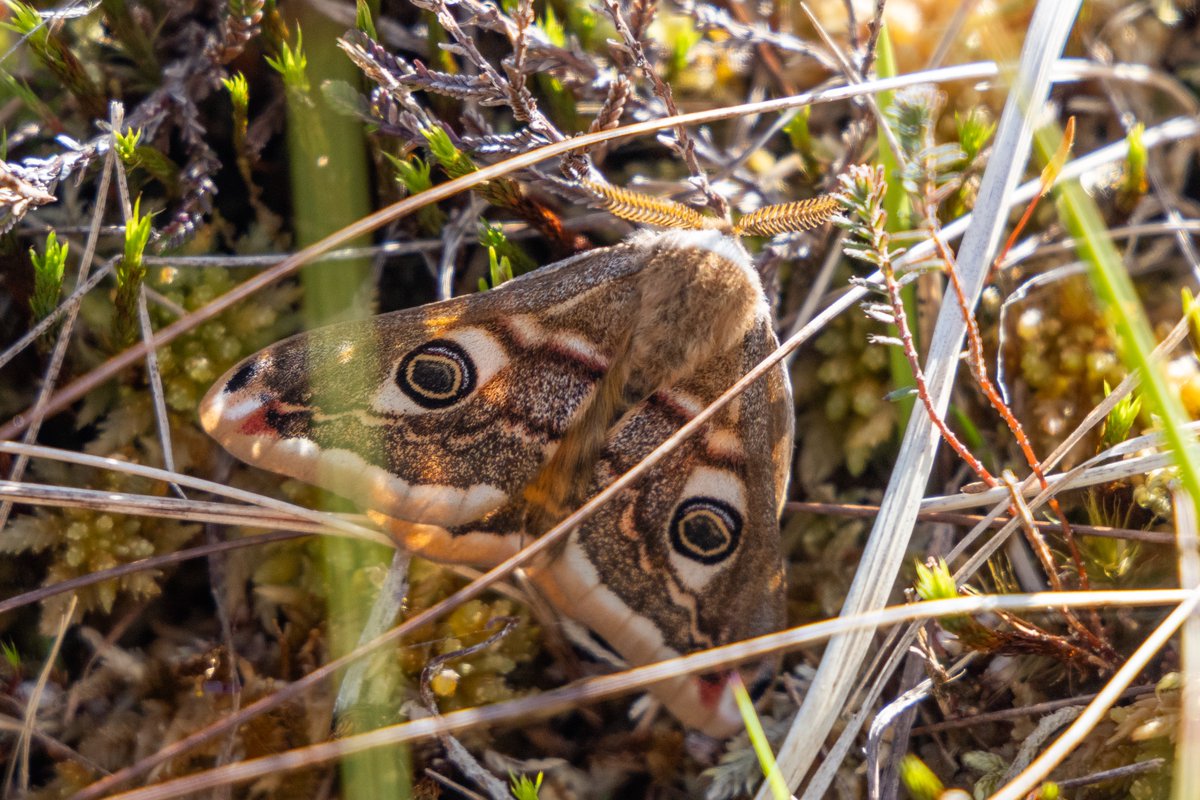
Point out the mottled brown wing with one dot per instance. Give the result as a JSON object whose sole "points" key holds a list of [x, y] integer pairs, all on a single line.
{"points": [[466, 426], [437, 414], [689, 558]]}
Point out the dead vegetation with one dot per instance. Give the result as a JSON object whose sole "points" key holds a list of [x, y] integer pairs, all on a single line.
{"points": [[185, 183]]}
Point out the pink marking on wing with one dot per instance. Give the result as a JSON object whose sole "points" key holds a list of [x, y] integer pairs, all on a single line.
{"points": [[682, 407], [711, 688], [591, 363], [255, 424]]}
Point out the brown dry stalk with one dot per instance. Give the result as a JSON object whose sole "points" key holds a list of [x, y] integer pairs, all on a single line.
{"points": [[900, 319], [978, 369], [1028, 638], [955, 518], [1099, 646], [975, 348]]}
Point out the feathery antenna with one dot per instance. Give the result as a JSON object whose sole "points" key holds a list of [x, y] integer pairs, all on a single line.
{"points": [[766, 221], [800, 215], [642, 208]]}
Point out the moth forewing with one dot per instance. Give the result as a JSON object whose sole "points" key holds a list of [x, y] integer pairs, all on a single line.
{"points": [[463, 401], [457, 422]]}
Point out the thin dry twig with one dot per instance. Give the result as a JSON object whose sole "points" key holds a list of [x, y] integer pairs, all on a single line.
{"points": [[684, 144], [1092, 715], [18, 768], [856, 510], [1021, 712], [1105, 655], [143, 565], [978, 368], [41, 406], [594, 689], [459, 755], [1172, 129]]}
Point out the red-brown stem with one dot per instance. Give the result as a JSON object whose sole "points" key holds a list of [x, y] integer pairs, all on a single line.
{"points": [[1098, 645], [1049, 174], [978, 368], [910, 352], [1012, 237]]}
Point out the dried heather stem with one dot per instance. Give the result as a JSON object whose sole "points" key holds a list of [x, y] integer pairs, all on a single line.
{"points": [[978, 367], [643, 13]]}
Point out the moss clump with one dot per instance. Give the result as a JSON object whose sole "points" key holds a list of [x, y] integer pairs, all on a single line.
{"points": [[291, 583], [78, 542], [1060, 349], [845, 418], [482, 677]]}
